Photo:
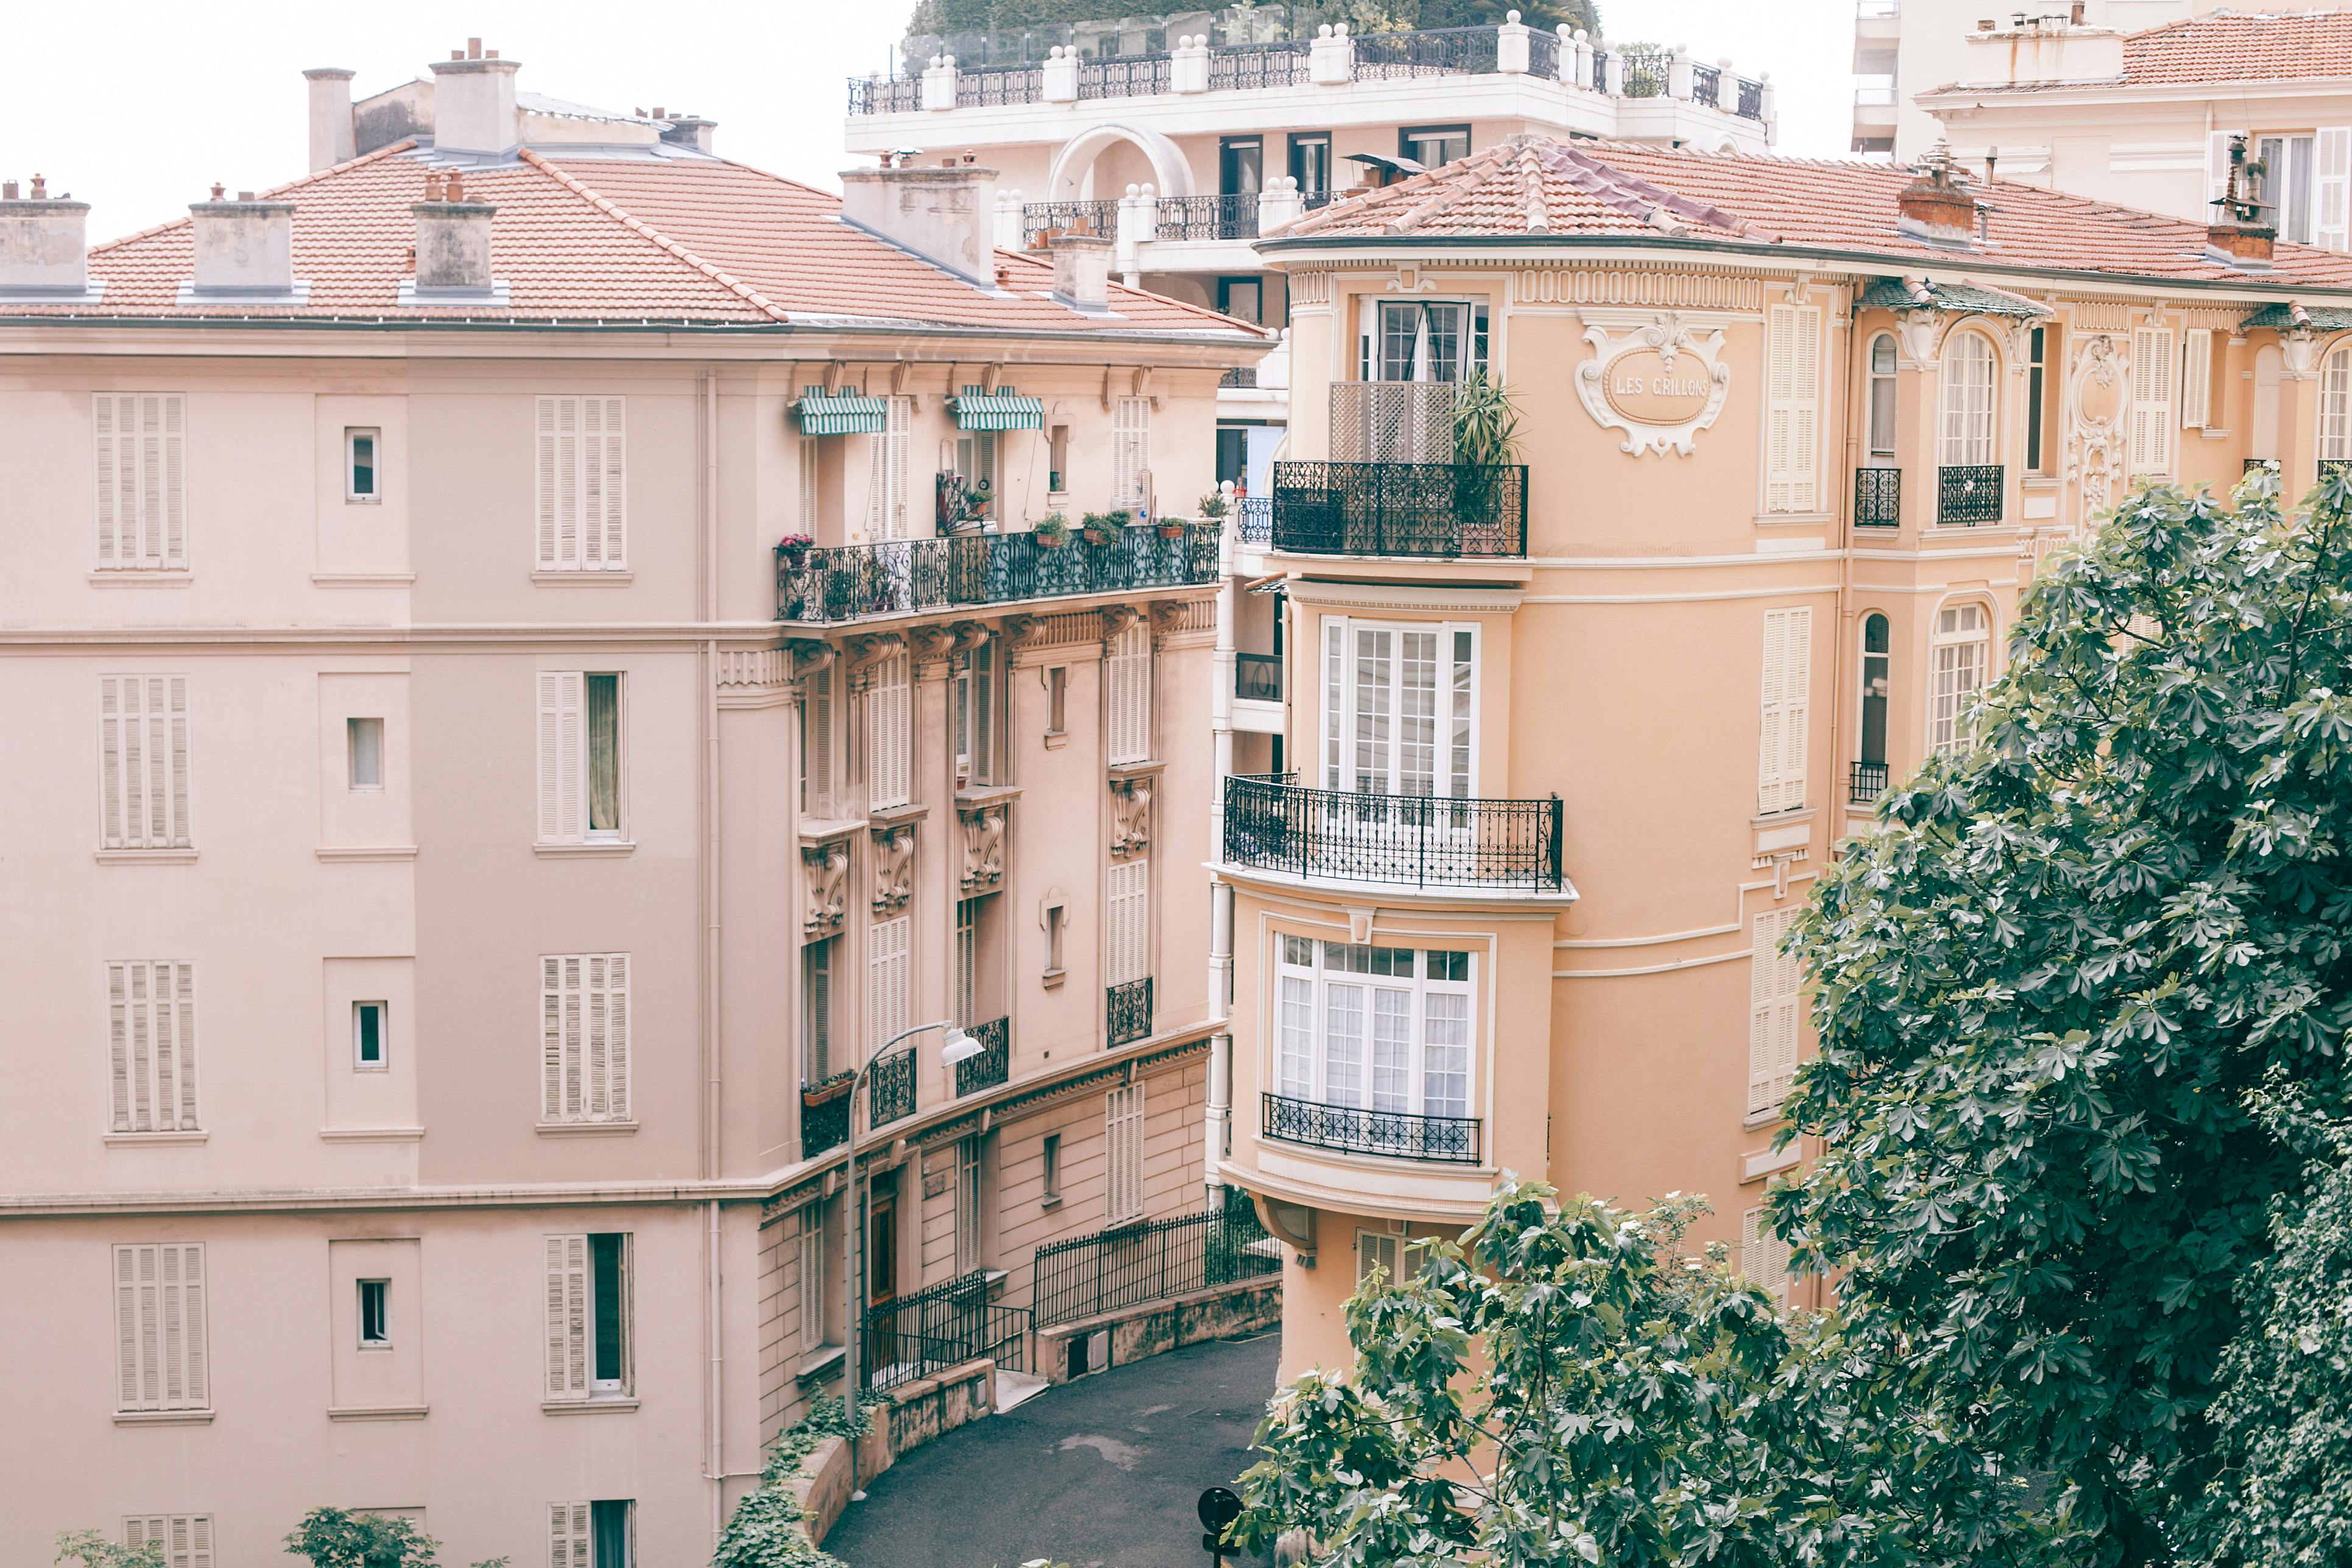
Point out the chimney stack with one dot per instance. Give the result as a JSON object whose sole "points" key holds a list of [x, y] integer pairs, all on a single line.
{"points": [[1936, 206], [2238, 236], [689, 130], [1082, 270], [474, 111], [333, 137], [44, 244], [944, 215], [453, 242], [244, 247]]}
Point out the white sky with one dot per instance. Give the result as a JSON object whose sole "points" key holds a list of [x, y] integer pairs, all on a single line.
{"points": [[137, 107]]}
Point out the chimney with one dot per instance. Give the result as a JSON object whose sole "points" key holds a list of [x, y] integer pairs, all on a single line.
{"points": [[1936, 206], [944, 215], [2238, 236], [689, 130], [244, 247], [474, 109], [333, 140], [44, 244], [1082, 272], [453, 242], [2042, 51]]}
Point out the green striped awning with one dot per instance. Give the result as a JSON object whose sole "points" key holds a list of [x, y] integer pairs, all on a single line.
{"points": [[840, 413], [977, 410]]}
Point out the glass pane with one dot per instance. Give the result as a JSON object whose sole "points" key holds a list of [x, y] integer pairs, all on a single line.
{"points": [[1295, 1065], [608, 1298], [1393, 1049], [1343, 1044], [1373, 675], [1416, 703], [1446, 1056], [604, 753]]}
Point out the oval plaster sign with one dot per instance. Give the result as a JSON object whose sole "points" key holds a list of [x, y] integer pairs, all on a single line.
{"points": [[1642, 388]]}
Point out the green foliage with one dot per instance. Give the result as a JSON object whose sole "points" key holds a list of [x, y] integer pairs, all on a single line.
{"points": [[1486, 420], [2048, 990], [1570, 1384], [1245, 23], [337, 1538], [91, 1550], [766, 1530]]}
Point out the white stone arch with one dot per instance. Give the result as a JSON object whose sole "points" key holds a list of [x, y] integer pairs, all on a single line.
{"points": [[1072, 164]]}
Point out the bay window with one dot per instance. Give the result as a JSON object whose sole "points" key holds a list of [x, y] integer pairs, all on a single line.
{"points": [[1384, 1030], [1399, 708]]}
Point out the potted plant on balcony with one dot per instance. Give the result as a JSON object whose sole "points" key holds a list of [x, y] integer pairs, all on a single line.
{"points": [[959, 508], [1213, 505], [1052, 531], [1486, 441], [791, 563], [1172, 527], [1099, 526]]}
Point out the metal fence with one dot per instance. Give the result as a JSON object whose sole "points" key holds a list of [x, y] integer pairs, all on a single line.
{"points": [[1258, 677], [1392, 421], [1448, 1140], [1647, 72], [825, 1115], [850, 581], [1877, 498], [1968, 494], [1439, 511], [978, 86], [885, 95], [1206, 217], [941, 1327], [1279, 64], [1866, 783], [993, 1064], [1124, 76], [1543, 54], [1127, 1012], [1151, 1260], [1432, 51], [1039, 219], [890, 1089], [1419, 840], [1253, 515], [1706, 86]]}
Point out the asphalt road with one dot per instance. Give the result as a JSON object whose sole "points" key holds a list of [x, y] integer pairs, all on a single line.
{"points": [[1099, 1473]]}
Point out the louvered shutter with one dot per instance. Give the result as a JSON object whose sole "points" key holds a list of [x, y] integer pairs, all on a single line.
{"points": [[151, 1047], [1792, 393], [1763, 1257], [2334, 229], [1335, 699], [549, 501], [888, 999], [2151, 412], [1774, 993], [608, 1036], [143, 761], [567, 1318], [161, 1351], [2197, 379], [1130, 448], [568, 1535], [1127, 672], [553, 1037], [1788, 675], [562, 772], [1127, 923], [817, 764], [2217, 168], [890, 730], [139, 467], [1123, 1152], [582, 483], [187, 1539], [604, 484], [886, 511]]}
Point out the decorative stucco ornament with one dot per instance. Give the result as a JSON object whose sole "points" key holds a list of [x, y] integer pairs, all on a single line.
{"points": [[1660, 384], [2095, 404]]}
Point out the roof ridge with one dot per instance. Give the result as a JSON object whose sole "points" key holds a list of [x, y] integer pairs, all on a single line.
{"points": [[315, 175], [1635, 196], [614, 210]]}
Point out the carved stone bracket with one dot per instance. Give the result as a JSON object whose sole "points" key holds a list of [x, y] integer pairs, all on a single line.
{"points": [[824, 869], [865, 652], [983, 844], [809, 656], [1019, 631], [894, 867], [1130, 815], [930, 645], [2301, 350], [1167, 616], [1117, 618]]}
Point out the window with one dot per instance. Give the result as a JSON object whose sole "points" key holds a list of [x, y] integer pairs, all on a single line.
{"points": [[366, 738], [1243, 296], [1792, 404], [2037, 367], [359, 482], [888, 1004], [141, 480], [1429, 339], [2197, 378], [819, 778], [1774, 982], [1130, 451], [1399, 708], [967, 962], [972, 457], [1123, 1154], [160, 1354], [1127, 695], [1054, 920], [1057, 460], [150, 1024], [1057, 696], [2335, 405], [584, 1003], [592, 1535], [816, 1001], [889, 731], [1384, 1029], [370, 1048], [186, 1538], [1788, 701], [580, 775], [1763, 1257], [1127, 930], [587, 1302], [811, 1251], [888, 514], [967, 1204], [1876, 685], [1049, 1167], [375, 1316], [1376, 1249], [972, 698], [1310, 166], [2334, 227], [1430, 145], [1882, 397], [1967, 401], [582, 485], [1961, 644], [2151, 400], [2284, 185], [142, 726], [1241, 166]]}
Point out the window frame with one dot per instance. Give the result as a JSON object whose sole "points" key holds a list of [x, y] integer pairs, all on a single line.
{"points": [[811, 1244], [1408, 135], [2037, 402], [2334, 413], [1880, 426], [975, 713], [355, 727], [1420, 986], [1964, 448], [567, 1007], [1299, 141], [121, 543], [375, 1309], [1342, 715], [354, 434], [165, 713], [1370, 1244], [1473, 332], [1884, 683], [620, 1249], [1945, 709], [383, 1011], [611, 550], [130, 1017]]}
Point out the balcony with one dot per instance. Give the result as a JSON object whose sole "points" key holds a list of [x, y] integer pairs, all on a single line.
{"points": [[994, 1063], [1444, 511], [1040, 221], [1865, 783], [1258, 677], [1254, 517], [1877, 498], [1968, 494], [1406, 840], [890, 1089], [825, 1115], [908, 576], [1448, 1140], [2330, 468], [1127, 1013]]}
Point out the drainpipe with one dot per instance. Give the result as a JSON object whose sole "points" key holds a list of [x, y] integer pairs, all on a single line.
{"points": [[715, 1397], [1221, 892]]}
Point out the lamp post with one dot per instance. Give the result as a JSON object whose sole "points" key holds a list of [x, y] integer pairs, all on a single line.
{"points": [[958, 1047]]}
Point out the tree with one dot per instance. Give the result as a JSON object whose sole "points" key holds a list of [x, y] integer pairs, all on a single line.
{"points": [[338, 1537], [1570, 1384], [93, 1550], [935, 17], [2048, 986]]}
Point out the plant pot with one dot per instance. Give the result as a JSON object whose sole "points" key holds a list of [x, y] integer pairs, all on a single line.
{"points": [[1171, 531], [1051, 540], [1097, 536]]}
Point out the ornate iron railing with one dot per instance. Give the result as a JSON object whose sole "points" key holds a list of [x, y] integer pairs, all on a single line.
{"points": [[1866, 783], [978, 86], [825, 1115], [2250, 464], [1253, 516], [885, 95], [1706, 86], [943, 1326], [1039, 219], [994, 1063], [1127, 1012], [1449, 1139], [890, 1089], [1543, 54], [851, 581], [1599, 82], [1968, 494], [1240, 375], [2331, 467], [1440, 511], [1123, 76], [1646, 73], [1751, 99], [1207, 217], [1432, 51], [1279, 64], [1877, 498], [1258, 677], [1151, 1260], [1418, 840]]}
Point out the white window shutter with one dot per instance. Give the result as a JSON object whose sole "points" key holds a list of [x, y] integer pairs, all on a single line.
{"points": [[143, 760], [2217, 168], [818, 763], [889, 710], [2334, 229], [1774, 993], [1335, 698], [2151, 412], [1130, 448], [161, 1350], [606, 1004], [581, 481], [151, 1047], [1763, 1257], [1786, 704], [109, 443], [1780, 355], [552, 1037], [887, 991], [567, 1318], [1123, 1152], [1804, 411], [569, 1539], [548, 502], [139, 463], [2197, 379], [562, 763], [1127, 925], [1127, 680]]}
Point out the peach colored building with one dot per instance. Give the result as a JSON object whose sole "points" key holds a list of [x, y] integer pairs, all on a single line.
{"points": [[453, 851], [1569, 742]]}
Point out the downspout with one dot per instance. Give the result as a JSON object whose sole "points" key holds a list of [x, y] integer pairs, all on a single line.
{"points": [[1851, 415], [715, 1465], [1221, 892]]}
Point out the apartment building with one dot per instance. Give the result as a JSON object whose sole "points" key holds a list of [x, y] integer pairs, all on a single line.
{"points": [[505, 715], [1571, 733]]}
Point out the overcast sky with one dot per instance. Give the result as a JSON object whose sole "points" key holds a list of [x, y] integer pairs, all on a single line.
{"points": [[137, 107]]}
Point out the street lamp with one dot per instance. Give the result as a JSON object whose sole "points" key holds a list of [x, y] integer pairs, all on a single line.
{"points": [[958, 1047]]}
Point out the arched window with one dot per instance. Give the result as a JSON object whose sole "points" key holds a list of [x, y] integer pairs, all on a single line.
{"points": [[1969, 402], [1960, 652], [1870, 764], [1881, 406], [2336, 407]]}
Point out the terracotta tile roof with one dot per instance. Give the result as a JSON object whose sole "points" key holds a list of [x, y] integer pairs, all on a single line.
{"points": [[621, 239], [2222, 46], [1543, 186]]}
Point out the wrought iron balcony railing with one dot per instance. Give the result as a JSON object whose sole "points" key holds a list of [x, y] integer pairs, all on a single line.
{"points": [[994, 1063], [1124, 76], [1450, 1139], [825, 1115], [1282, 63], [1706, 86], [1441, 510], [1877, 498], [1232, 216], [890, 1088], [979, 86], [1258, 677], [2331, 467], [1240, 375], [1415, 840], [1253, 515], [885, 95], [1968, 494], [1648, 72], [1866, 783], [896, 577], [1127, 1012], [1431, 51], [1039, 219]]}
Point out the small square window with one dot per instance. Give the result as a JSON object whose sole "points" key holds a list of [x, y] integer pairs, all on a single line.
{"points": [[1057, 700], [1049, 1156], [375, 1314], [366, 752], [362, 480], [1053, 923], [371, 1049]]}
